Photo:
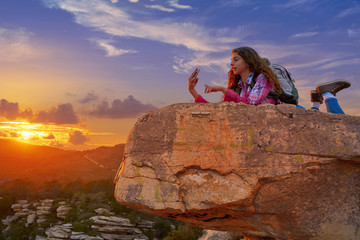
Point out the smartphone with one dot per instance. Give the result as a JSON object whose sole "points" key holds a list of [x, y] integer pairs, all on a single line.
{"points": [[197, 72]]}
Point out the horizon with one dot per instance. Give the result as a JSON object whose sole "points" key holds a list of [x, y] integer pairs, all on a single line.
{"points": [[78, 74]]}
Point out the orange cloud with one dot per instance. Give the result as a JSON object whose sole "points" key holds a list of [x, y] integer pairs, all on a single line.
{"points": [[78, 138]]}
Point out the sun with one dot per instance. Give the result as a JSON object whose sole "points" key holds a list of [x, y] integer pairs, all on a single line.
{"points": [[27, 134]]}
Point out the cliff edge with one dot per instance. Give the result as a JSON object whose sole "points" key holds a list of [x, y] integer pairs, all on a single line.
{"points": [[265, 171]]}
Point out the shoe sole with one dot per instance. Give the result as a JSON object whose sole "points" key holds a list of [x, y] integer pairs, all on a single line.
{"points": [[337, 80]]}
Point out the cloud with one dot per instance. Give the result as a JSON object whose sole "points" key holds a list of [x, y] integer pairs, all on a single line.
{"points": [[3, 134], [161, 8], [128, 108], [62, 114], [56, 144], [348, 12], [108, 18], [134, 1], [236, 3], [114, 1], [14, 134], [202, 60], [78, 138], [50, 136], [90, 96], [9, 110], [175, 4], [15, 45], [111, 51], [353, 33], [304, 34], [338, 63]]}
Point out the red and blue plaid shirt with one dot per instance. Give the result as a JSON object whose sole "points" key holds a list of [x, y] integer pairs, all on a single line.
{"points": [[255, 96]]}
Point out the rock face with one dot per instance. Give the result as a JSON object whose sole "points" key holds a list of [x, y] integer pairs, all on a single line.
{"points": [[265, 171]]}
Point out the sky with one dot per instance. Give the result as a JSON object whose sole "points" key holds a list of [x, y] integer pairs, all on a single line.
{"points": [[77, 74]]}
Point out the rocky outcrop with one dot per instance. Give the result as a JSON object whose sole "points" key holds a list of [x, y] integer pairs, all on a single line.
{"points": [[109, 227], [37, 211], [64, 231], [117, 228], [265, 171], [62, 210]]}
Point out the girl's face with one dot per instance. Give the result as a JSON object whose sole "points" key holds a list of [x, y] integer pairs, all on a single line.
{"points": [[238, 64]]}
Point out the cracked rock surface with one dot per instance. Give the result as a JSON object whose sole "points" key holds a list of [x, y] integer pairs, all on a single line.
{"points": [[265, 171]]}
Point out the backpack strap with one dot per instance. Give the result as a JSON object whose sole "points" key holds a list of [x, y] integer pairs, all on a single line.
{"points": [[253, 80], [272, 94]]}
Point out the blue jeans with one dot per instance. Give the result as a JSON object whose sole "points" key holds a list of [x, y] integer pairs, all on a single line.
{"points": [[333, 106]]}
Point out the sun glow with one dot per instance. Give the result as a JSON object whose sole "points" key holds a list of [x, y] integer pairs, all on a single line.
{"points": [[42, 134], [27, 134]]}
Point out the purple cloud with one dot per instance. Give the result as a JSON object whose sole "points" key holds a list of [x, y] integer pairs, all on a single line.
{"points": [[8, 109], [128, 108], [62, 114], [89, 98]]}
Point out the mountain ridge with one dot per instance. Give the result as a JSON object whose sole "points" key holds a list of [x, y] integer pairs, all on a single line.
{"points": [[20, 160]]}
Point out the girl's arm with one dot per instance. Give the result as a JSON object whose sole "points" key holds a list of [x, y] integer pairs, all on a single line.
{"points": [[209, 89]]}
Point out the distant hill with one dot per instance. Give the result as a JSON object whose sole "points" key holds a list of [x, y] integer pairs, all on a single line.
{"points": [[41, 163], [109, 157]]}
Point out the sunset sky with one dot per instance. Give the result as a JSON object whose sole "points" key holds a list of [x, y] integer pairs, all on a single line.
{"points": [[78, 73]]}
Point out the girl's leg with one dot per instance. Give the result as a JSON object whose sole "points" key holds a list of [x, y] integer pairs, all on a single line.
{"points": [[316, 99], [333, 106], [328, 91], [298, 106]]}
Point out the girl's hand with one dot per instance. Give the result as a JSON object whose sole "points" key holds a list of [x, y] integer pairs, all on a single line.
{"points": [[193, 79], [209, 89]]}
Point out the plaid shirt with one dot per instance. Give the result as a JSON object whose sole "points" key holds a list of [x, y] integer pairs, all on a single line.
{"points": [[255, 96]]}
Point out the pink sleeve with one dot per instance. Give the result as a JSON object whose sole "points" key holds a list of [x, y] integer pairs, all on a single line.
{"points": [[200, 99]]}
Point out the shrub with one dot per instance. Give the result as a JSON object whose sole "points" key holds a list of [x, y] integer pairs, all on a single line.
{"points": [[79, 227], [5, 205], [71, 216], [17, 231], [185, 232], [162, 229], [117, 208], [85, 227]]}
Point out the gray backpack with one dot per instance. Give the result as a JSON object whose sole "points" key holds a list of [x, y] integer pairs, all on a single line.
{"points": [[289, 92]]}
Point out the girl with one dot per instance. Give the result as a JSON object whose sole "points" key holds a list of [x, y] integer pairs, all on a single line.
{"points": [[246, 64]]}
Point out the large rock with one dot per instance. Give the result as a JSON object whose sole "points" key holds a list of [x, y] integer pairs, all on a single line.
{"points": [[266, 171]]}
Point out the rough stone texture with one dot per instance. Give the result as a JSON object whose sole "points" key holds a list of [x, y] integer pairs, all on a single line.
{"points": [[62, 210], [265, 171], [113, 227], [59, 231]]}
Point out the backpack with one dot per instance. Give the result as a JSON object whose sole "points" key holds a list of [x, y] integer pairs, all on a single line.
{"points": [[289, 92]]}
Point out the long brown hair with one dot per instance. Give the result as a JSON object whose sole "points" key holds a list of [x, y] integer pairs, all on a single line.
{"points": [[256, 65]]}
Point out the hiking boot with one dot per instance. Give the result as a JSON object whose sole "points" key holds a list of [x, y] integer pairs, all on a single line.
{"points": [[316, 97], [333, 86]]}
